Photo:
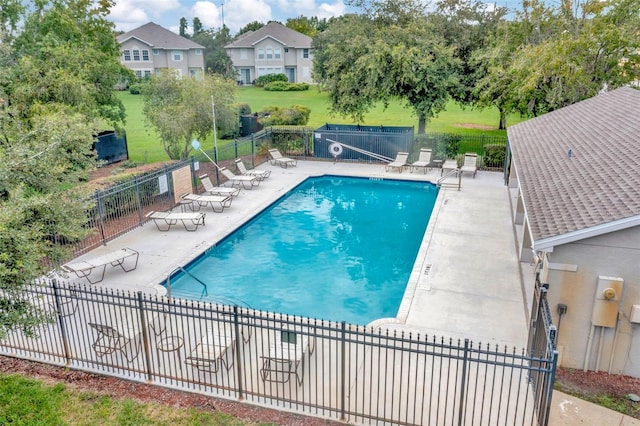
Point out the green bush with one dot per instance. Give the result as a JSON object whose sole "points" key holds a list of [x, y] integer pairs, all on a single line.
{"points": [[297, 115], [244, 109], [281, 86], [263, 80], [135, 89], [494, 155]]}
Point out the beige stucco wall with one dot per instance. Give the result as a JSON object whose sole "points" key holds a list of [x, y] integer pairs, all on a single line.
{"points": [[164, 58], [616, 254]]}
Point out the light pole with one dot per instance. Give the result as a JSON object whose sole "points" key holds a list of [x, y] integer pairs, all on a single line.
{"points": [[215, 138]]}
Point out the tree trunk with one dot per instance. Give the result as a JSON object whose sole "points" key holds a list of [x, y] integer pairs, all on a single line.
{"points": [[422, 124], [503, 119]]}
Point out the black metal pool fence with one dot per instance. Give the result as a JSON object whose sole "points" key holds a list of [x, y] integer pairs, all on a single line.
{"points": [[384, 374], [123, 207]]}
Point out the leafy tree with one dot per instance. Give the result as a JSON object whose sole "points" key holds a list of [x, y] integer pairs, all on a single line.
{"points": [[183, 27], [216, 59], [393, 53], [180, 109], [56, 78], [197, 26], [309, 26], [251, 26]]}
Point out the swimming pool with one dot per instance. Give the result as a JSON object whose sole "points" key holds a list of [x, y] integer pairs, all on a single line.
{"points": [[334, 248]]}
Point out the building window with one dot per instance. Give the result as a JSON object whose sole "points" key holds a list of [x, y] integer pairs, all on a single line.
{"points": [[147, 73], [305, 53], [156, 52], [198, 51], [136, 55], [277, 53], [269, 53], [286, 50], [138, 73], [177, 55], [127, 54], [261, 54], [145, 55]]}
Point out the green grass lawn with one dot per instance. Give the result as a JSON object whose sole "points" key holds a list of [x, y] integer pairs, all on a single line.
{"points": [[26, 401], [145, 147]]}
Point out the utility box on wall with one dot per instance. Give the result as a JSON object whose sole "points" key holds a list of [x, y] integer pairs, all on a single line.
{"points": [[607, 301]]}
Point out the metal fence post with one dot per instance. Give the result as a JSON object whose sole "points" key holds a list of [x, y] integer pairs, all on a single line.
{"points": [[145, 336], [101, 216], [238, 348], [463, 382], [60, 317], [235, 147], [136, 185], [343, 379]]}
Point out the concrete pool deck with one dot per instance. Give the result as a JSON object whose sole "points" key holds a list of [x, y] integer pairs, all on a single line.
{"points": [[466, 283]]}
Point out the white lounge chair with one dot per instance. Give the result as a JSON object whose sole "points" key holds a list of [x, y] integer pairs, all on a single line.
{"points": [[247, 182], [217, 202], [470, 163], [111, 340], [424, 160], [286, 354], [260, 174], [217, 190], [399, 163], [216, 348], [84, 269], [190, 220], [448, 166], [278, 160]]}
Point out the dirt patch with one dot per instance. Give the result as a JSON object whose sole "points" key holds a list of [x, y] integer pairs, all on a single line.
{"points": [[610, 390], [144, 393], [474, 126]]}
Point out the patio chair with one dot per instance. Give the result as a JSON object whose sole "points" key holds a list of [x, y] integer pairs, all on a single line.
{"points": [[278, 160], [190, 220], [111, 340], [448, 166], [217, 202], [247, 182], [216, 348], [260, 174], [85, 268], [217, 190], [399, 163], [470, 163], [424, 160], [286, 356]]}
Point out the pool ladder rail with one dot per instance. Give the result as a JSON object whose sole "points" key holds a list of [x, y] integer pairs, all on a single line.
{"points": [[442, 180], [205, 291]]}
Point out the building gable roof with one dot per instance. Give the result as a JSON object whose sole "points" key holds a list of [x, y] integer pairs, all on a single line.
{"points": [[275, 30], [594, 189], [158, 37]]}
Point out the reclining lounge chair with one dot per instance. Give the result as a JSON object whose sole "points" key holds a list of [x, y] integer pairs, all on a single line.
{"points": [[399, 163], [287, 350], [84, 269], [260, 174], [217, 190], [470, 163], [278, 160], [424, 160], [247, 182], [190, 220], [217, 202]]}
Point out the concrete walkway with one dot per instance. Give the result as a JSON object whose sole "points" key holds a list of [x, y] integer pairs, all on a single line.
{"points": [[467, 281]]}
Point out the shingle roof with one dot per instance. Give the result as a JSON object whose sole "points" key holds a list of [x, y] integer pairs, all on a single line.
{"points": [[158, 37], [284, 35], [599, 183]]}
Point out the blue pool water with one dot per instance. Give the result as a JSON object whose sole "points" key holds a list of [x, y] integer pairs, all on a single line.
{"points": [[334, 248]]}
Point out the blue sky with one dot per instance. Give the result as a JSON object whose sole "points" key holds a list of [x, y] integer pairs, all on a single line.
{"points": [[129, 14]]}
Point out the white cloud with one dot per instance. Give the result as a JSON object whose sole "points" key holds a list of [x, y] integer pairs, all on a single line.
{"points": [[238, 13], [130, 14], [309, 8], [209, 14]]}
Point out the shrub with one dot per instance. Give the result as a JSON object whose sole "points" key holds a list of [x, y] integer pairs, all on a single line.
{"points": [[281, 86], [244, 109], [135, 89], [266, 79], [297, 115], [494, 155]]}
